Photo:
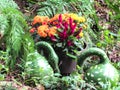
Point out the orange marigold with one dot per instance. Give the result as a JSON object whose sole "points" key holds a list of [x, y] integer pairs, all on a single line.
{"points": [[40, 19], [36, 19], [42, 30], [54, 18], [52, 31], [45, 20]]}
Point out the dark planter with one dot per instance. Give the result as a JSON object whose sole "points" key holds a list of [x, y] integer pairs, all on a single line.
{"points": [[66, 65]]}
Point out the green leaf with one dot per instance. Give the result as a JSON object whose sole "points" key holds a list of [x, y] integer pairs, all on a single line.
{"points": [[99, 44], [1, 66], [3, 24], [1, 77], [72, 56]]}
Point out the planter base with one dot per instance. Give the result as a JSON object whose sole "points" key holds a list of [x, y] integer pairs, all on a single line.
{"points": [[67, 66]]}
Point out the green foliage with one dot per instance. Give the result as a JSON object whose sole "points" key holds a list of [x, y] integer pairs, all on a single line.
{"points": [[72, 82], [51, 7], [12, 26], [114, 16], [1, 75], [27, 46], [16, 27], [118, 38], [7, 3], [115, 7], [86, 8], [3, 66], [46, 9], [107, 41], [3, 24], [75, 82]]}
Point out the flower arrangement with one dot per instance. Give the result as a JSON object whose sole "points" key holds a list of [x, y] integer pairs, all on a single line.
{"points": [[63, 31]]}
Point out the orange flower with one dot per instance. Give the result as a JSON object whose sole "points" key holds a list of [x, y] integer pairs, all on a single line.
{"points": [[42, 34], [42, 30], [45, 20], [40, 19], [37, 19], [52, 31], [54, 18]]}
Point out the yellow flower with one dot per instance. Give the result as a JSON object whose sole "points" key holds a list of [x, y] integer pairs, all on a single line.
{"points": [[81, 19], [84, 26], [74, 16], [77, 18], [81, 34]]}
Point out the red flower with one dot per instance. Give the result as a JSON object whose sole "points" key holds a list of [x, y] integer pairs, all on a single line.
{"points": [[72, 25], [65, 24], [63, 35], [69, 43], [32, 30], [53, 38], [60, 18]]}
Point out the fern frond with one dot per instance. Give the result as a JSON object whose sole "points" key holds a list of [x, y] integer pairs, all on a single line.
{"points": [[7, 3], [16, 29], [13, 24], [51, 7], [13, 36], [46, 9], [3, 25], [28, 44]]}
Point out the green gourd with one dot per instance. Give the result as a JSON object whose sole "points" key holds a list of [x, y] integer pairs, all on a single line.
{"points": [[52, 56], [103, 72], [37, 65]]}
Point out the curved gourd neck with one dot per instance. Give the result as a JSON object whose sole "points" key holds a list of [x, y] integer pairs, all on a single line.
{"points": [[47, 47], [93, 51], [52, 56]]}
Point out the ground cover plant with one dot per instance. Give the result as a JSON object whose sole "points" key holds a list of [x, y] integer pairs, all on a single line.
{"points": [[26, 64]]}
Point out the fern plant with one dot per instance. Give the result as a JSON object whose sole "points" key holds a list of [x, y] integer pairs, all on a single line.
{"points": [[12, 28], [3, 25], [7, 3], [51, 7]]}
